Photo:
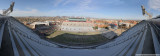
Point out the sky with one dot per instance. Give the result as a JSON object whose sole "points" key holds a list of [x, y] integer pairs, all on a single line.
{"points": [[109, 9]]}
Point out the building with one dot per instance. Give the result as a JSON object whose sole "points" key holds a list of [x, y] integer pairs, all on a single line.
{"points": [[77, 25], [39, 23]]}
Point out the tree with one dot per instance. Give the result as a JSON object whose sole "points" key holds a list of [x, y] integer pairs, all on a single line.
{"points": [[96, 27]]}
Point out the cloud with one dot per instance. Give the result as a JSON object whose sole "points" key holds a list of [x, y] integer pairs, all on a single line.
{"points": [[35, 12], [1, 11], [85, 4], [67, 2], [57, 2], [31, 12], [154, 4], [75, 4], [115, 2], [78, 3]]}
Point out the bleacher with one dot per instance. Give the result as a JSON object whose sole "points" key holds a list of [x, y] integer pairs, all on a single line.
{"points": [[2, 21], [127, 35], [143, 38]]}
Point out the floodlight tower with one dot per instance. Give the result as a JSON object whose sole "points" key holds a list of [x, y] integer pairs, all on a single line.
{"points": [[9, 10], [144, 12]]}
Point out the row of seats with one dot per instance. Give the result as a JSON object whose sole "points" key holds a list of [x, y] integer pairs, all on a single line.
{"points": [[25, 32], [26, 43], [2, 23], [131, 33], [26, 39]]}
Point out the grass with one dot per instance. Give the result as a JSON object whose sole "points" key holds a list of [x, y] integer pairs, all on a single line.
{"points": [[75, 33], [79, 40]]}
